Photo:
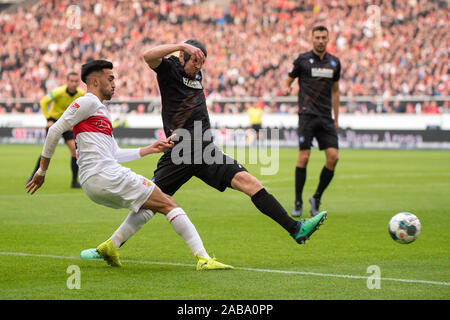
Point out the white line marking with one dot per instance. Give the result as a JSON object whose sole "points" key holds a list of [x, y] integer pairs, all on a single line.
{"points": [[441, 283]]}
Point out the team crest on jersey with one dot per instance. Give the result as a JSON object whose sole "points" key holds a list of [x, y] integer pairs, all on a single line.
{"points": [[333, 63], [311, 60], [195, 84], [147, 183]]}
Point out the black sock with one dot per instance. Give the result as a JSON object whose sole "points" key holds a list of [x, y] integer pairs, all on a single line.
{"points": [[268, 205], [74, 169], [300, 178], [325, 178]]}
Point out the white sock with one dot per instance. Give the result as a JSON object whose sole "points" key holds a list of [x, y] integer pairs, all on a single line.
{"points": [[132, 224], [184, 227]]}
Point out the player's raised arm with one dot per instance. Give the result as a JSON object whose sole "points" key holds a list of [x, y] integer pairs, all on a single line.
{"points": [[154, 56]]}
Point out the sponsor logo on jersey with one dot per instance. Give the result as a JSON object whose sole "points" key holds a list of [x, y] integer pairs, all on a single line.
{"points": [[103, 125], [322, 72], [195, 84]]}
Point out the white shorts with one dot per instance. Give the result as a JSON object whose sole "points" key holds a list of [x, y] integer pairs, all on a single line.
{"points": [[118, 187]]}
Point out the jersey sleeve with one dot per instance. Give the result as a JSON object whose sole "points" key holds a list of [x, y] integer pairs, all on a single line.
{"points": [[125, 155], [296, 69], [163, 67], [337, 73], [79, 110], [45, 101]]}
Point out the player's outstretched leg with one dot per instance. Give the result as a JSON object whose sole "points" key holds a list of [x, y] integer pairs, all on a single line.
{"points": [[305, 228], [180, 222], [132, 224]]}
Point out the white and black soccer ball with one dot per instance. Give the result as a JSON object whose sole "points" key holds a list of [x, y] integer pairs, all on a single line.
{"points": [[404, 227]]}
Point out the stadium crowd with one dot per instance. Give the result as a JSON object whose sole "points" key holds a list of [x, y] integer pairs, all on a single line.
{"points": [[389, 49]]}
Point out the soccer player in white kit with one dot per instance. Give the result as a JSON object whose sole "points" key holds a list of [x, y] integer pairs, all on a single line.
{"points": [[104, 180]]}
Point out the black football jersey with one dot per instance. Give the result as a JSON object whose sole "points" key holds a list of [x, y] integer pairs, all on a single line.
{"points": [[315, 79], [183, 99]]}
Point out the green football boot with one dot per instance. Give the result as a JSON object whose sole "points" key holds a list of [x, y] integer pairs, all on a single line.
{"points": [[305, 228], [90, 254]]}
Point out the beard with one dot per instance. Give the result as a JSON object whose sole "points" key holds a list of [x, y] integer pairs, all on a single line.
{"points": [[107, 94], [320, 50]]}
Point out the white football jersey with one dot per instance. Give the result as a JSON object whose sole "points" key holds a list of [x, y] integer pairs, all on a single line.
{"points": [[97, 150]]}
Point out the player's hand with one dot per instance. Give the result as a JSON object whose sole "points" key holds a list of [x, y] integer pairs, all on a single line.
{"points": [[161, 145], [35, 183], [286, 91], [195, 53]]}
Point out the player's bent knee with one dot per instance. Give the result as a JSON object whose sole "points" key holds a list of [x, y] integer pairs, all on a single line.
{"points": [[245, 182], [160, 202]]}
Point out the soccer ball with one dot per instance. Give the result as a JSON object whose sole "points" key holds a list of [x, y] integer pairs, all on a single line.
{"points": [[404, 227]]}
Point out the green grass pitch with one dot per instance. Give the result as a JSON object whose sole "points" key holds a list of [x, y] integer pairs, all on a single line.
{"points": [[42, 235]]}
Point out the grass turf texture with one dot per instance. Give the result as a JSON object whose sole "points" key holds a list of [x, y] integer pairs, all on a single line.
{"points": [[369, 187]]}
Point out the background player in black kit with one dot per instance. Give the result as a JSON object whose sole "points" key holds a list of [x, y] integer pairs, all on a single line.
{"points": [[318, 74], [184, 107]]}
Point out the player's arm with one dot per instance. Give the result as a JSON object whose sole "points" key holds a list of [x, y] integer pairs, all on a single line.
{"points": [[125, 155], [154, 56], [335, 100], [44, 103], [70, 117], [287, 86]]}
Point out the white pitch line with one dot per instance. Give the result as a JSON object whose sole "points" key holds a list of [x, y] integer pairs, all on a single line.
{"points": [[330, 275]]}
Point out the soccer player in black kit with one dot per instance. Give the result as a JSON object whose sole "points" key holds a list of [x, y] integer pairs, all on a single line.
{"points": [[318, 74], [184, 109]]}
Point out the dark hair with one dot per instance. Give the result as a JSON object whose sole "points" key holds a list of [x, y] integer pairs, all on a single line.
{"points": [[71, 73], [319, 28], [197, 44], [93, 66]]}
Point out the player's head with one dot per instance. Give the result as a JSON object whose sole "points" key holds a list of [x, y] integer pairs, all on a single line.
{"points": [[191, 65], [73, 80], [99, 77], [320, 38]]}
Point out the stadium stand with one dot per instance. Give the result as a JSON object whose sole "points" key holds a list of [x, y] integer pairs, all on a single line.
{"points": [[399, 50]]}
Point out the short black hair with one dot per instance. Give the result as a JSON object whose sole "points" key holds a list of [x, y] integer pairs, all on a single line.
{"points": [[93, 66], [319, 28], [197, 44], [71, 73]]}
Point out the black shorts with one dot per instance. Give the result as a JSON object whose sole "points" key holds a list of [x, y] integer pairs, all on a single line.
{"points": [[321, 128], [67, 135], [257, 127], [169, 177]]}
